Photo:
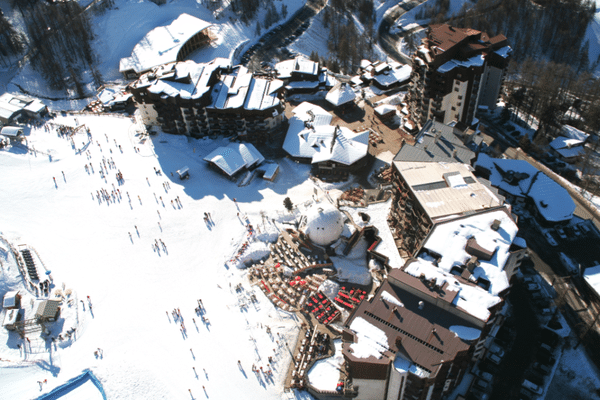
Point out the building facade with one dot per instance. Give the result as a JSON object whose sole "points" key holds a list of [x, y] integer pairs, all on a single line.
{"points": [[210, 99], [454, 72]]}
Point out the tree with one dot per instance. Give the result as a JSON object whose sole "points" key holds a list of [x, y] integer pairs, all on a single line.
{"points": [[284, 11], [257, 28], [287, 203]]}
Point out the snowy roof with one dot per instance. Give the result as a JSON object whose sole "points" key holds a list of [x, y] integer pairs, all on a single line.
{"points": [[469, 298], [309, 137], [11, 104], [568, 148], [574, 133], [10, 299], [446, 188], [399, 73], [234, 157], [284, 68], [113, 94], [522, 179], [449, 241], [385, 108], [592, 277], [324, 224], [302, 85], [562, 142], [504, 51], [416, 339], [340, 94], [476, 61], [553, 201], [11, 131], [10, 317], [196, 84], [305, 66], [162, 44]]}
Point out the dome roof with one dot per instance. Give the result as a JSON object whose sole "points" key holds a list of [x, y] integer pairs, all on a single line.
{"points": [[324, 224]]}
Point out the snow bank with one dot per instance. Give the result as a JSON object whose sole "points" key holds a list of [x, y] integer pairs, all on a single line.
{"points": [[465, 332], [325, 374], [371, 341]]}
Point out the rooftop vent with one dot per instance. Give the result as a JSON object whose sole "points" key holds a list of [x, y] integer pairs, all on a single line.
{"points": [[421, 305], [496, 225]]}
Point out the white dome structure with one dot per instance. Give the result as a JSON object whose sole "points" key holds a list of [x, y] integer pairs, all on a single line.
{"points": [[324, 224]]}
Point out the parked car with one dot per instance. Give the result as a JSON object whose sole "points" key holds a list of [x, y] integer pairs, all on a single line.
{"points": [[561, 232], [497, 350], [529, 279], [486, 376], [482, 385], [533, 287], [532, 387], [550, 239], [494, 358], [535, 377], [542, 368]]}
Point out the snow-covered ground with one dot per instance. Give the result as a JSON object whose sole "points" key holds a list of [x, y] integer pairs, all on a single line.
{"points": [[134, 286]]}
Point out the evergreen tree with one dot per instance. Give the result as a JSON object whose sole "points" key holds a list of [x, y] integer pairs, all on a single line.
{"points": [[287, 203]]}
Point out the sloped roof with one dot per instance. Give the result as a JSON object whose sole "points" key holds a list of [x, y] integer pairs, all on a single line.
{"points": [[340, 94], [311, 136], [162, 44], [11, 131], [522, 179], [47, 308], [234, 157], [10, 299], [436, 142], [592, 277], [399, 73], [573, 133]]}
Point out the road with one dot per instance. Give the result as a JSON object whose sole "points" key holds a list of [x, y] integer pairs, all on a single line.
{"points": [[268, 47], [387, 41]]}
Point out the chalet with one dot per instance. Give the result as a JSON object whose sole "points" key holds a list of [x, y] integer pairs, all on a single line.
{"points": [[11, 300], [333, 151], [341, 97], [570, 145], [13, 107], [234, 158]]}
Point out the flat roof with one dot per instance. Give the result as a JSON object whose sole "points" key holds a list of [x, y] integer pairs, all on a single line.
{"points": [[445, 189]]}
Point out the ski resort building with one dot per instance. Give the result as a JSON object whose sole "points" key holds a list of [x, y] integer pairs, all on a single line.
{"points": [[383, 75], [166, 44], [13, 107], [210, 99], [333, 151], [425, 193], [454, 72], [301, 75], [438, 314]]}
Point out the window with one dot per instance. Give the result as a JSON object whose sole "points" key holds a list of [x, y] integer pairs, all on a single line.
{"points": [[453, 108], [456, 89], [460, 97]]}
